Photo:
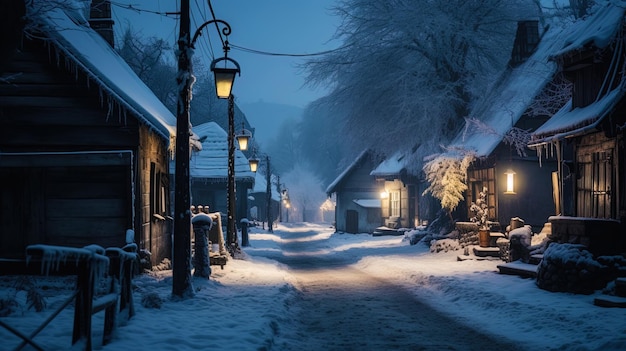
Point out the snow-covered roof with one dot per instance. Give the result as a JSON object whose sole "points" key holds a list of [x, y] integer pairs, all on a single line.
{"points": [[68, 30], [391, 166], [599, 29], [568, 122], [367, 203], [503, 106], [211, 162], [333, 186], [260, 186]]}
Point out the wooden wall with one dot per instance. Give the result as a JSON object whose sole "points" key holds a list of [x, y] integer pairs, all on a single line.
{"points": [[153, 225], [67, 163]]}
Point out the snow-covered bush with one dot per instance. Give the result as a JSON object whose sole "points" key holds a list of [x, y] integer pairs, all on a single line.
{"points": [[444, 245], [480, 209], [34, 297], [571, 268], [539, 243], [151, 300], [519, 244], [165, 265], [8, 305]]}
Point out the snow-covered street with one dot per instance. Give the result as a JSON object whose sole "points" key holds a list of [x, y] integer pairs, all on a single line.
{"points": [[340, 307], [276, 300]]}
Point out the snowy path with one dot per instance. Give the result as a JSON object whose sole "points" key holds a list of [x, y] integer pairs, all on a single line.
{"points": [[342, 308]]}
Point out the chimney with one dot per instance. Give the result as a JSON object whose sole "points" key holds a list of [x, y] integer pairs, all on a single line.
{"points": [[100, 19], [526, 41]]}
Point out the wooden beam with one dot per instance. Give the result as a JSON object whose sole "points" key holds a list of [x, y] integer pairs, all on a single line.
{"points": [[65, 160]]}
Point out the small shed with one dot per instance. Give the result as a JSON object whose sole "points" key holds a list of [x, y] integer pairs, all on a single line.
{"points": [[400, 189], [84, 143], [357, 208]]}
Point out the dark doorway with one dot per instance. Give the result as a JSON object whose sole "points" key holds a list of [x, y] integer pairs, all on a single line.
{"points": [[352, 221]]}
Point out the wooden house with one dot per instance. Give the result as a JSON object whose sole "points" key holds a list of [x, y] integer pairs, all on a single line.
{"points": [[490, 129], [400, 192], [209, 172], [357, 207], [591, 127], [84, 144]]}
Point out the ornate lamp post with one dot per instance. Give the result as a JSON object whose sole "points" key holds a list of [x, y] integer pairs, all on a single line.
{"points": [[224, 78]]}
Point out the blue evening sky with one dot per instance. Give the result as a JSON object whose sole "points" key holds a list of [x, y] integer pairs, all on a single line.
{"points": [[276, 26]]}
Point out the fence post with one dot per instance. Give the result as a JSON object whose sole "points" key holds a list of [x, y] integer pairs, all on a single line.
{"points": [[84, 303]]}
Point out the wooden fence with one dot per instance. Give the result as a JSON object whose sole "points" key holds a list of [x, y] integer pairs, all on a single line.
{"points": [[89, 264]]}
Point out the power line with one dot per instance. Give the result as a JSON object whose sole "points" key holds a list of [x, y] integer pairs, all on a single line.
{"points": [[261, 52], [173, 15]]}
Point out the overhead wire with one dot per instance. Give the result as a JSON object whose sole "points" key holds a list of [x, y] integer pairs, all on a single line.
{"points": [[207, 48], [267, 53]]}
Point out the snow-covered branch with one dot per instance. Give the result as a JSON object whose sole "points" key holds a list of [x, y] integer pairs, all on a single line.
{"points": [[447, 176]]}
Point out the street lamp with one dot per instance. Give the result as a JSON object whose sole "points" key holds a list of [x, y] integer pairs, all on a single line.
{"points": [[254, 165], [243, 138], [224, 78]]}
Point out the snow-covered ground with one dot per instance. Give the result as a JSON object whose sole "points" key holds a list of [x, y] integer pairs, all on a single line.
{"points": [[242, 306]]}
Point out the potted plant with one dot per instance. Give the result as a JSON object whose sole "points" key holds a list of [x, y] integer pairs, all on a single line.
{"points": [[481, 211]]}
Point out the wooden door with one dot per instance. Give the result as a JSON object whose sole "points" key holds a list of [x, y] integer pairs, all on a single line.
{"points": [[352, 221]]}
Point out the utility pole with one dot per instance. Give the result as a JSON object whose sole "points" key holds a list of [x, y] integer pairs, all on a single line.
{"points": [[181, 260], [231, 225], [269, 196]]}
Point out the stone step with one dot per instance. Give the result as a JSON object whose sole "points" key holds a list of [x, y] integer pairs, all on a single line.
{"points": [[610, 301], [486, 251], [535, 259], [522, 269]]}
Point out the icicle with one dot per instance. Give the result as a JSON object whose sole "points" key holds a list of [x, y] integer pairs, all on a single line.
{"points": [[132, 185], [119, 113], [100, 92], [109, 108], [172, 146], [538, 152]]}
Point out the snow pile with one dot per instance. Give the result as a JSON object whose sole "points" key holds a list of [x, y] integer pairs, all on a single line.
{"points": [[571, 268]]}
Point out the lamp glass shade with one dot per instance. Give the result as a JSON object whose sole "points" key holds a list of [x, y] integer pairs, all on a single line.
{"points": [[254, 164], [243, 139], [384, 194], [510, 182], [224, 80]]}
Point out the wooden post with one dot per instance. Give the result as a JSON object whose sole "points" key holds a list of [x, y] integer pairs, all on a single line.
{"points": [[84, 303]]}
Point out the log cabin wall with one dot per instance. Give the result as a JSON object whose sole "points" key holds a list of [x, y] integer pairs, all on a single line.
{"points": [[154, 224], [68, 157]]}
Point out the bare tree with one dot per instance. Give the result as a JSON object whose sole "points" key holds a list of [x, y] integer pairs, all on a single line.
{"points": [[408, 70], [556, 93], [148, 59]]}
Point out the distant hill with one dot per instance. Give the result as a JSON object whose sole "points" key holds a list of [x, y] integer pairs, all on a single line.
{"points": [[266, 118]]}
